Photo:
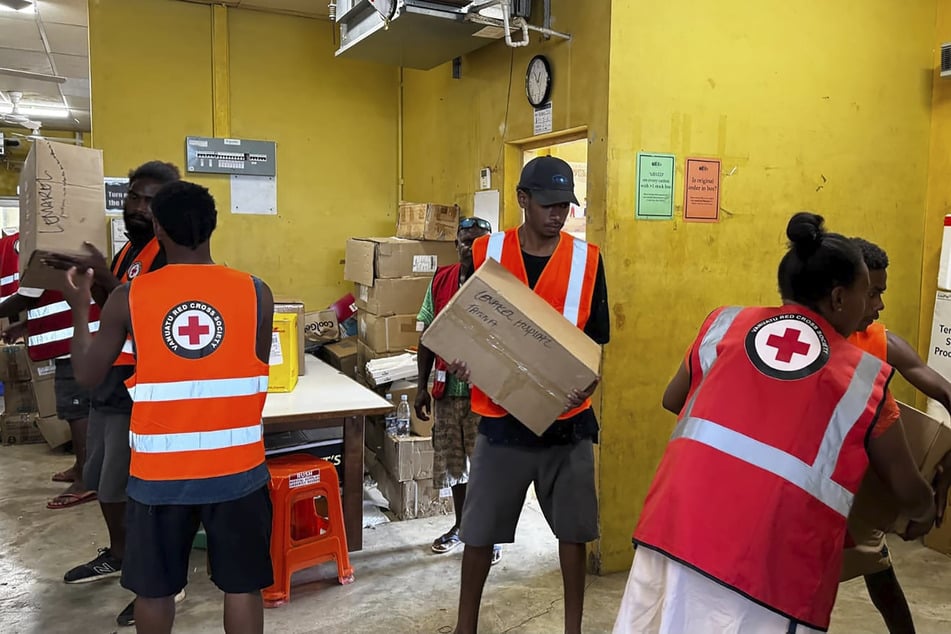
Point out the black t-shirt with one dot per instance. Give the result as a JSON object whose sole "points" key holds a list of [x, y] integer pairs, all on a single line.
{"points": [[508, 430], [111, 395]]}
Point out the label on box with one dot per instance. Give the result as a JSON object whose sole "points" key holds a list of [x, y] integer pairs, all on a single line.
{"points": [[303, 479], [420, 326], [445, 493], [425, 263], [364, 294], [45, 370], [277, 354]]}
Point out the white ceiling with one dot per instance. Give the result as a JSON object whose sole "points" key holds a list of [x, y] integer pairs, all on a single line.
{"points": [[50, 39], [307, 8]]}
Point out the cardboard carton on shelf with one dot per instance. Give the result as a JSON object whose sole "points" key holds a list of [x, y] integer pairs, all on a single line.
{"points": [[369, 259], [520, 351], [19, 429], [399, 296], [427, 221], [55, 431], [395, 333], [296, 307], [61, 206], [412, 499], [408, 457], [283, 373], [341, 355], [16, 365]]}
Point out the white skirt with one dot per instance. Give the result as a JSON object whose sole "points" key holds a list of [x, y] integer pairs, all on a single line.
{"points": [[665, 597]]}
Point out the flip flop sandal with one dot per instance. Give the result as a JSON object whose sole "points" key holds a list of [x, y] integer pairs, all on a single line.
{"points": [[62, 477], [445, 543], [66, 500]]}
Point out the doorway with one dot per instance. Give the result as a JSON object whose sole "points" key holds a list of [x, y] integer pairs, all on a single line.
{"points": [[575, 153]]}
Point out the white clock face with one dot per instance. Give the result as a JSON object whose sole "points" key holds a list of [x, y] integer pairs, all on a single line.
{"points": [[537, 84]]}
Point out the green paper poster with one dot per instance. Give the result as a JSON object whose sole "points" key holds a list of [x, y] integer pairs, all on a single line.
{"points": [[655, 186]]}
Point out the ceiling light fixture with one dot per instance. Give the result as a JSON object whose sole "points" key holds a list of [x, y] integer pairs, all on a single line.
{"points": [[36, 111], [20, 6]]}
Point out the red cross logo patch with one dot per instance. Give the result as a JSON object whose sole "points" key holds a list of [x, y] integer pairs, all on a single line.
{"points": [[134, 270], [787, 347], [193, 330]]}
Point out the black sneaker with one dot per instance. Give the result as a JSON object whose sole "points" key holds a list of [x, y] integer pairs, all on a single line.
{"points": [[102, 567]]}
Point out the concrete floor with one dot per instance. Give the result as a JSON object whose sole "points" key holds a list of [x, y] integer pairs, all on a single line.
{"points": [[400, 585]]}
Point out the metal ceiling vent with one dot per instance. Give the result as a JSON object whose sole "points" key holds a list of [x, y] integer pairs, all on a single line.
{"points": [[946, 60], [423, 34]]}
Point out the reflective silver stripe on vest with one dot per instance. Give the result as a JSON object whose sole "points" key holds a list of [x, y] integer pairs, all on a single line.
{"points": [[9, 279], [714, 335], [57, 335], [190, 390], [579, 262], [195, 441], [494, 249], [50, 309], [814, 479], [127, 347]]}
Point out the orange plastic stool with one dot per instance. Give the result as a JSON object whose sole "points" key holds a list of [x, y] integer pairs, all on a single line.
{"points": [[301, 536]]}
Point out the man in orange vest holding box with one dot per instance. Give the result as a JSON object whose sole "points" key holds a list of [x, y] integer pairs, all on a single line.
{"points": [[508, 457], [202, 337]]}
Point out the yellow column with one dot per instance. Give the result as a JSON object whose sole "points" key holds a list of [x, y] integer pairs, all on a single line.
{"points": [[221, 72]]}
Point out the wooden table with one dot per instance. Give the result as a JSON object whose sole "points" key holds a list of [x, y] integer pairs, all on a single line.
{"points": [[326, 398]]}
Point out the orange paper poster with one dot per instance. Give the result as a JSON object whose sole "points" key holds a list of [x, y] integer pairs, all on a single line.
{"points": [[702, 190]]}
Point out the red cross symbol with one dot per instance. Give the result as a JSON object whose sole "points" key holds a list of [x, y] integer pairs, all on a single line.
{"points": [[194, 330], [788, 345]]}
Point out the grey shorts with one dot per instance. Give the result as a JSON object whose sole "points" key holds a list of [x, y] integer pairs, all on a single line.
{"points": [[499, 478], [72, 400], [107, 455]]}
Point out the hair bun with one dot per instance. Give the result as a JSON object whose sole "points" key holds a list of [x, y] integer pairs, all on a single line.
{"points": [[805, 232]]}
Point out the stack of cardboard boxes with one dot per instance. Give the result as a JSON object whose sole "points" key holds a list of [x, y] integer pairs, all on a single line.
{"points": [[391, 277], [29, 400]]}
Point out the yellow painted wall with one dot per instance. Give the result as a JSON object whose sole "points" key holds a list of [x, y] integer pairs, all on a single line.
{"points": [[939, 183], [811, 105], [334, 121]]}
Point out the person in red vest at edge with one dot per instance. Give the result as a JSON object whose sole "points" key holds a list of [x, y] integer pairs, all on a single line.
{"points": [[107, 460], [788, 416], [456, 426], [50, 342], [508, 457], [202, 337], [866, 551]]}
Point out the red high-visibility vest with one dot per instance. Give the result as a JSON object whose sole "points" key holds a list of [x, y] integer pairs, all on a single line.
{"points": [[760, 473], [199, 387], [9, 265], [445, 285], [567, 283]]}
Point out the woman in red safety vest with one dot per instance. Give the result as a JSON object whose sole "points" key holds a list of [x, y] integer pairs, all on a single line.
{"points": [[779, 409]]}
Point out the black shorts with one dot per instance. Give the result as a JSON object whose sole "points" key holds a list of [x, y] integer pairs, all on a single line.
{"points": [[160, 541], [72, 400]]}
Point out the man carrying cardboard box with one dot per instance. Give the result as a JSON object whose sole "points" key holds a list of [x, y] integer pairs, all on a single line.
{"points": [[866, 549], [202, 340], [107, 465], [508, 457], [456, 425]]}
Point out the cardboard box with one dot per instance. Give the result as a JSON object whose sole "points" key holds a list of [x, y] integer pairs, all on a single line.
{"points": [[44, 393], [321, 327], [408, 458], [61, 206], [18, 398], [395, 333], [283, 373], [520, 351], [296, 307], [398, 389], [369, 259], [16, 365], [19, 429], [55, 431], [400, 296], [929, 440], [412, 499], [428, 222], [341, 355]]}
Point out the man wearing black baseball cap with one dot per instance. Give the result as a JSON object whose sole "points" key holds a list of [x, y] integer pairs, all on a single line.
{"points": [[508, 457]]}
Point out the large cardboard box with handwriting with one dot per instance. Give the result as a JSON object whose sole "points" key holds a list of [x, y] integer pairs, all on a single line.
{"points": [[520, 351], [62, 205]]}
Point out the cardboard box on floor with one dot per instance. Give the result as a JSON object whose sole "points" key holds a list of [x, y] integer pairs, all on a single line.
{"points": [[369, 259], [929, 440], [520, 351], [61, 206], [283, 373], [395, 333], [341, 355], [55, 431], [400, 296], [408, 458], [19, 429], [321, 327], [293, 306], [412, 499], [427, 221], [16, 365]]}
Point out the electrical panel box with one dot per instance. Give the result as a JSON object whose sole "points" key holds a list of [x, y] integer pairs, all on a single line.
{"points": [[206, 155]]}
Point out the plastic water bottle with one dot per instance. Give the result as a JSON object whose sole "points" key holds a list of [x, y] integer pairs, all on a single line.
{"points": [[402, 417], [390, 417]]}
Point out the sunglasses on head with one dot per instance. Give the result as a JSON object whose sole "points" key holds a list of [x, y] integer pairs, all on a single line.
{"points": [[468, 223]]}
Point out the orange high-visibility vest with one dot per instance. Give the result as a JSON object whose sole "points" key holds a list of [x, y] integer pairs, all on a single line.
{"points": [[199, 387], [761, 471], [873, 340], [141, 264], [567, 283]]}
